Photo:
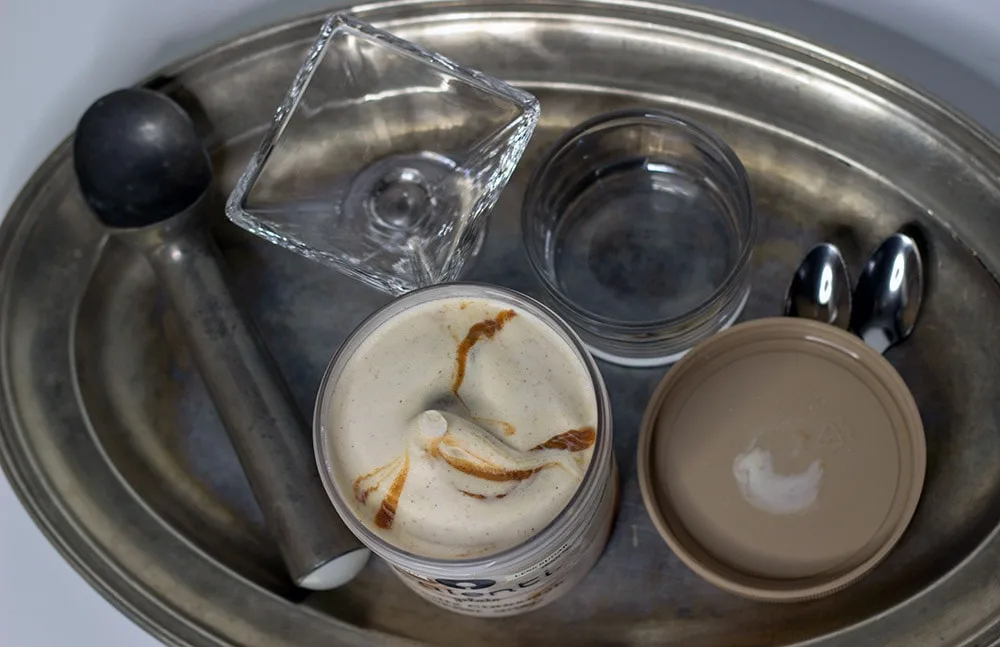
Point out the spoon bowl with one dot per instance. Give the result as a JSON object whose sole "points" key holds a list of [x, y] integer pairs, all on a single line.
{"points": [[889, 293], [821, 288]]}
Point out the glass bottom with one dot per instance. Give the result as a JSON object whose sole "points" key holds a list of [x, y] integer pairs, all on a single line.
{"points": [[391, 224], [652, 360], [400, 196]]}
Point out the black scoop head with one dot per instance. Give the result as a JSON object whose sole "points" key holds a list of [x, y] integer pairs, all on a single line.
{"points": [[138, 159]]}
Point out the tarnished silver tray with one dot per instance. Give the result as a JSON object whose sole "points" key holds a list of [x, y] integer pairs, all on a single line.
{"points": [[114, 447]]}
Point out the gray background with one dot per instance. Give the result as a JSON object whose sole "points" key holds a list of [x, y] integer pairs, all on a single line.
{"points": [[56, 56]]}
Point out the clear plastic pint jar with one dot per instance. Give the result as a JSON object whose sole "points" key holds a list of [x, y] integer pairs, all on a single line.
{"points": [[488, 520]]}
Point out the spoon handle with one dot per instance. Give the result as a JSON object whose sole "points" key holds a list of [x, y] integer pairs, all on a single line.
{"points": [[267, 430]]}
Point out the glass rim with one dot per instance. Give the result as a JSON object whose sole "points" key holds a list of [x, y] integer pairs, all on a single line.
{"points": [[588, 488], [597, 322]]}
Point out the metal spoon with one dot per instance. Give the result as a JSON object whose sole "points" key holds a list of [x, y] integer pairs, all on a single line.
{"points": [[821, 288], [889, 293], [146, 175]]}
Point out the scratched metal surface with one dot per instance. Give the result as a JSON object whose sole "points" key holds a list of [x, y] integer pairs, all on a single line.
{"points": [[109, 437]]}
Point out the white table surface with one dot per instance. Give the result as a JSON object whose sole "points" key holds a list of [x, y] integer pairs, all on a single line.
{"points": [[59, 55]]}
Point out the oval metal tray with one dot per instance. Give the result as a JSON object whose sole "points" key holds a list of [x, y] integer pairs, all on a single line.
{"points": [[114, 447]]}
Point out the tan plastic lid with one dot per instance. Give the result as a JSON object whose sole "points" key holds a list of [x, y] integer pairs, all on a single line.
{"points": [[782, 459]]}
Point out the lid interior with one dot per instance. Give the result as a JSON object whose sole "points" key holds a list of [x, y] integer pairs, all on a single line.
{"points": [[782, 459]]}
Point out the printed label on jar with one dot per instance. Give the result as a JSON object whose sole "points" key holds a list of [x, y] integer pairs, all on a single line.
{"points": [[529, 588]]}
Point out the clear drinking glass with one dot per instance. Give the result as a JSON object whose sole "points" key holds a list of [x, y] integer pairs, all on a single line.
{"points": [[384, 159], [640, 226]]}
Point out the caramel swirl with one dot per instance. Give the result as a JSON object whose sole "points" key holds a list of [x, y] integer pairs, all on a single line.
{"points": [[508, 429], [481, 497], [489, 472], [387, 511], [484, 329], [574, 440], [361, 491], [465, 459]]}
